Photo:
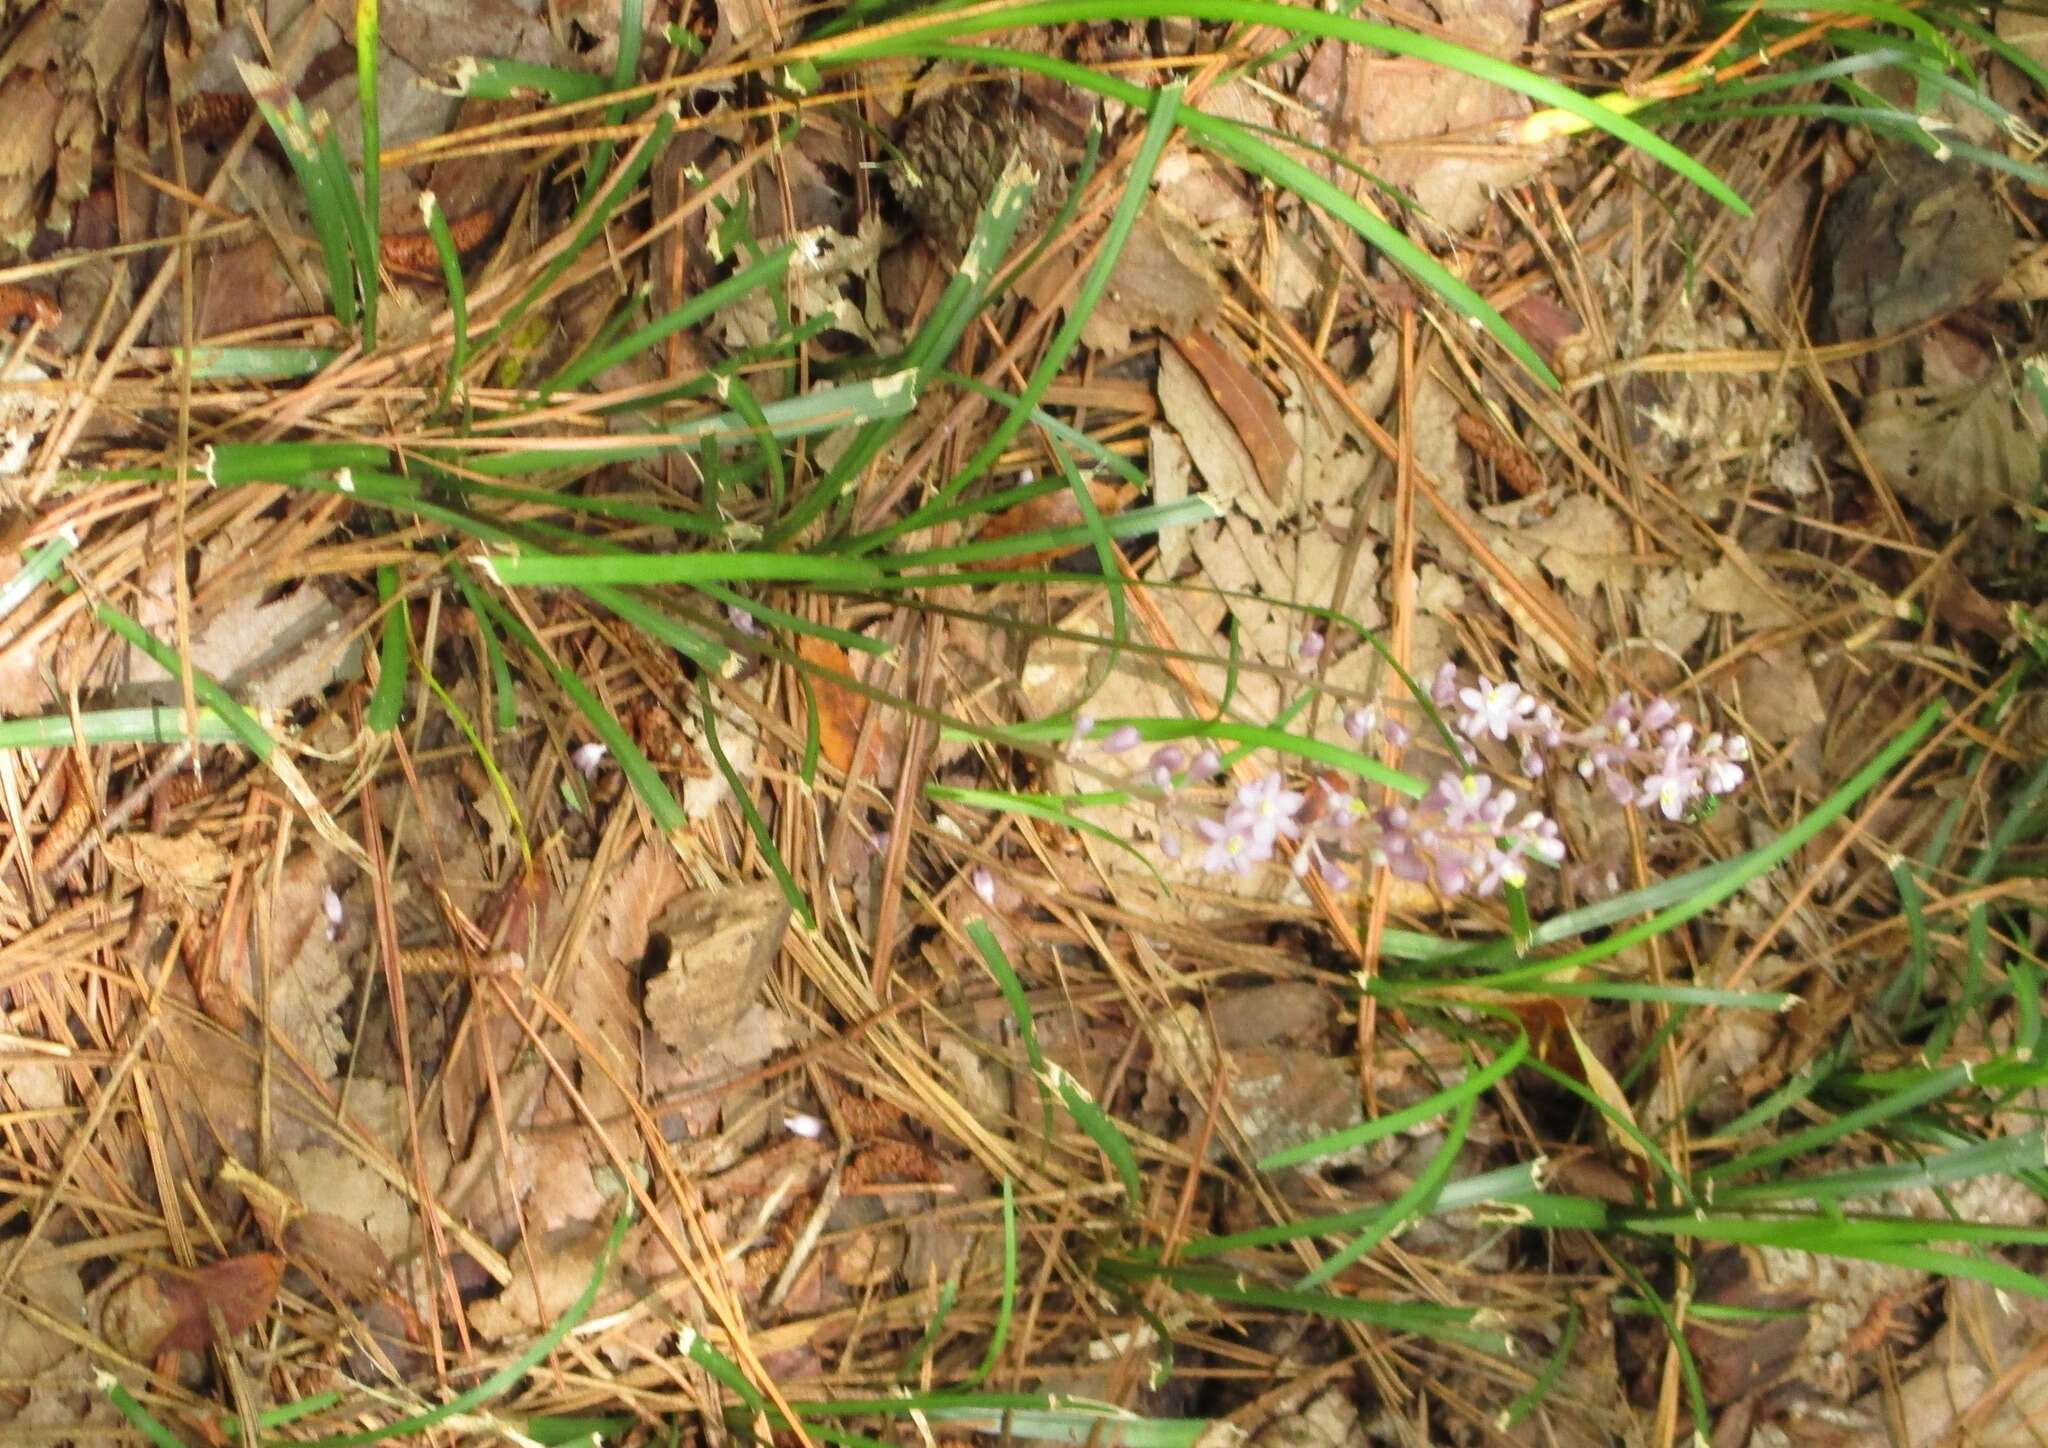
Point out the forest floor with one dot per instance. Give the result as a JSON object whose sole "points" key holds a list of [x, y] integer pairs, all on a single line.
{"points": [[773, 757]]}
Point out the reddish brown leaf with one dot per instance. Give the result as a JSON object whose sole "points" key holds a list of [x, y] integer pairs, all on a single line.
{"points": [[1048, 510], [21, 302], [840, 709], [163, 1310], [1248, 404], [1544, 324]]}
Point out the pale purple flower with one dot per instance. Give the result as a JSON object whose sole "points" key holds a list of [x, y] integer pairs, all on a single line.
{"points": [[1723, 762], [1231, 849], [983, 884], [1493, 709], [1269, 808], [1443, 689], [1208, 764], [330, 906], [1673, 785], [1395, 733], [1311, 646], [1166, 762], [804, 1124], [743, 620], [1122, 739], [588, 758], [1359, 722]]}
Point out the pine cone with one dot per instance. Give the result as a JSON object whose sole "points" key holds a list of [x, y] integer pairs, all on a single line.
{"points": [[951, 150]]}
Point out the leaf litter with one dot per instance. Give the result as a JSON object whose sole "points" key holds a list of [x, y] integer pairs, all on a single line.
{"points": [[582, 1003]]}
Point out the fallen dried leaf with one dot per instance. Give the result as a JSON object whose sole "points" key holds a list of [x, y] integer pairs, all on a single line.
{"points": [[1730, 587], [187, 868], [721, 945], [1219, 453], [165, 1310], [1953, 455], [841, 711], [27, 1347], [1248, 404], [1167, 277], [326, 1247]]}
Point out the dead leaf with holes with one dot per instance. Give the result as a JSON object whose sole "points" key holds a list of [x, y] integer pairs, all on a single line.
{"points": [[1955, 455], [637, 893]]}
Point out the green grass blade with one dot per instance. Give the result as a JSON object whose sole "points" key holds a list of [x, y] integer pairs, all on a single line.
{"points": [[1530, 1400], [2001, 1156], [763, 836], [625, 71], [373, 194], [494, 652], [458, 296], [1932, 1087], [641, 775], [504, 80], [699, 306], [1474, 1085], [998, 963], [139, 1418], [41, 567], [286, 118], [1100, 1128], [531, 570], [247, 729], [1413, 1201], [388, 699], [999, 1332], [591, 218]]}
